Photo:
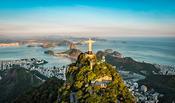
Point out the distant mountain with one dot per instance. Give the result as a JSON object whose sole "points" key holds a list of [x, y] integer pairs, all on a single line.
{"points": [[93, 81], [16, 81], [127, 63], [73, 53], [45, 93]]}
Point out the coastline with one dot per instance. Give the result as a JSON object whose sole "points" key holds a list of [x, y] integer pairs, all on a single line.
{"points": [[71, 54], [9, 44], [116, 59], [150, 50]]}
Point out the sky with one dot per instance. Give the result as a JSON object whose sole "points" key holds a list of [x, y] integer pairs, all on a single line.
{"points": [[88, 17]]}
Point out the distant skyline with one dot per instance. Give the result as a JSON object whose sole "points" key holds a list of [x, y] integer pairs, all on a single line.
{"points": [[88, 17]]}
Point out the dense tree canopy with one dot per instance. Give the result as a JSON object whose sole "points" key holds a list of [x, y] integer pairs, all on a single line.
{"points": [[81, 80], [45, 93]]}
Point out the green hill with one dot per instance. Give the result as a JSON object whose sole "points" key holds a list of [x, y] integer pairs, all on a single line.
{"points": [[163, 84], [93, 81], [45, 93], [128, 64], [16, 81]]}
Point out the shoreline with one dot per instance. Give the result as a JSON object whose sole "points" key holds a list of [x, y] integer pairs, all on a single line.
{"points": [[9, 44], [138, 60]]}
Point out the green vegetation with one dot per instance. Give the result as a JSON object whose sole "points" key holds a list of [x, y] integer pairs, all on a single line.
{"points": [[128, 64], [35, 72], [81, 80], [45, 93], [15, 82], [161, 83], [49, 52], [73, 52], [48, 45]]}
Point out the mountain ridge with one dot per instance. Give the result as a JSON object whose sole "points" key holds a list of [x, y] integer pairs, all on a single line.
{"points": [[16, 81]]}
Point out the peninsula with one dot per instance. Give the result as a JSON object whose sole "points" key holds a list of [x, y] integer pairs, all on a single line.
{"points": [[9, 44]]}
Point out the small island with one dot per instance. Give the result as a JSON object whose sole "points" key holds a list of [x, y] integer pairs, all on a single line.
{"points": [[71, 53]]}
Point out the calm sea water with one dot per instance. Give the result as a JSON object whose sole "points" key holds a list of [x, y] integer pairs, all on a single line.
{"points": [[152, 50], [13, 53]]}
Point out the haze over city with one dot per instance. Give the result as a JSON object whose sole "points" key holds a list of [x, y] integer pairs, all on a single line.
{"points": [[96, 17]]}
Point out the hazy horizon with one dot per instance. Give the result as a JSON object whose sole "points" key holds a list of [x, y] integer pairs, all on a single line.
{"points": [[123, 18]]}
